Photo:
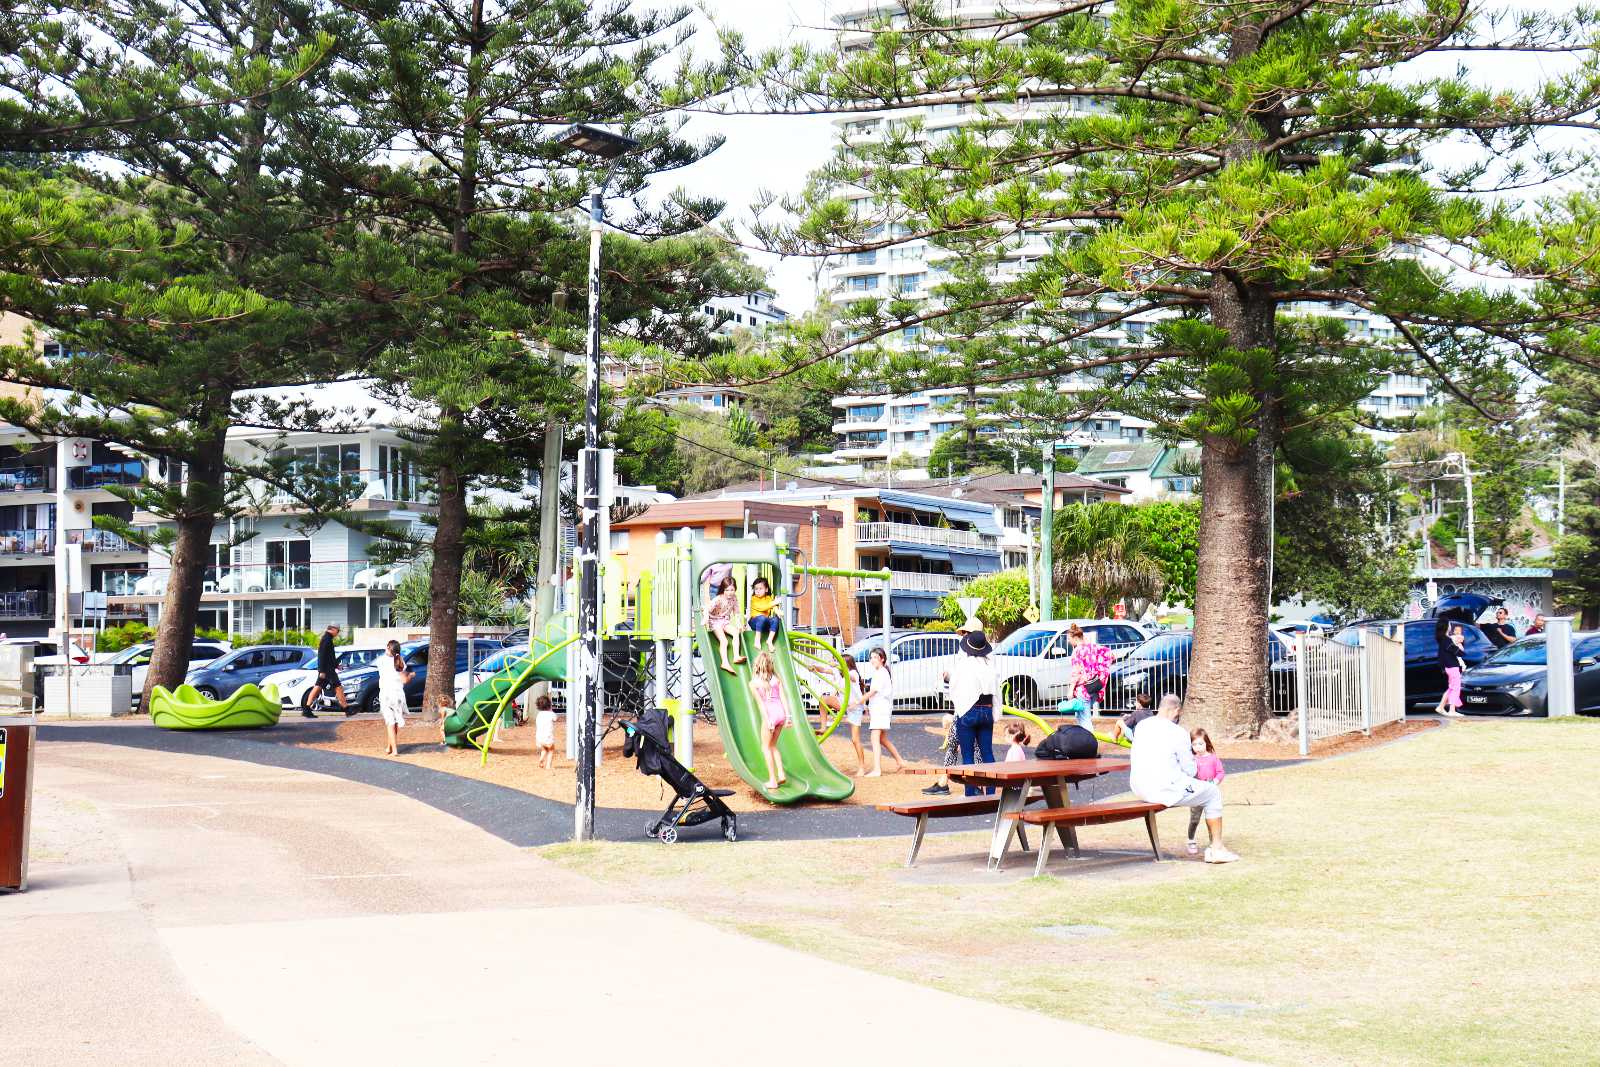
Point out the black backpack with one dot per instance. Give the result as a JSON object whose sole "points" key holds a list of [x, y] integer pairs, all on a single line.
{"points": [[1068, 742]]}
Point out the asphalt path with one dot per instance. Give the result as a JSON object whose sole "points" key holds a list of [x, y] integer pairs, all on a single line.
{"points": [[523, 819]]}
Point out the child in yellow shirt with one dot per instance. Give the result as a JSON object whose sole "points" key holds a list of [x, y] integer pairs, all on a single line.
{"points": [[763, 617]]}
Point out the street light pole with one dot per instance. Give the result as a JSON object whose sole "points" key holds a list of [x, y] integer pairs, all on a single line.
{"points": [[605, 145], [1047, 523]]}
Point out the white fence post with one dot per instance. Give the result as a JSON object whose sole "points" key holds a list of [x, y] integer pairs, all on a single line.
{"points": [[1558, 666], [1302, 685], [1364, 669]]}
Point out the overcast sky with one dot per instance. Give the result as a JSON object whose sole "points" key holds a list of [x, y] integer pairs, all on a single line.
{"points": [[777, 153]]}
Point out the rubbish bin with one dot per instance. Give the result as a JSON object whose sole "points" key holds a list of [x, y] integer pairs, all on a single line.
{"points": [[16, 801]]}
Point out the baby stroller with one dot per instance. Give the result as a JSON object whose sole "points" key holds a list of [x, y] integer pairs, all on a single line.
{"points": [[694, 803]]}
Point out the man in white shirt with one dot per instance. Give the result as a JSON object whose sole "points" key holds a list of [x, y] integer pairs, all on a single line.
{"points": [[1163, 773]]}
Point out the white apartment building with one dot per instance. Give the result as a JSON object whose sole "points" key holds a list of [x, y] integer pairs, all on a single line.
{"points": [[756, 311], [873, 429]]}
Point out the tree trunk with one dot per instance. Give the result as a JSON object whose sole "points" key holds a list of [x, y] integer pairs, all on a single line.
{"points": [[191, 555], [1591, 617], [444, 590], [1227, 690]]}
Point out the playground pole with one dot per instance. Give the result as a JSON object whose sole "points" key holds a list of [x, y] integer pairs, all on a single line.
{"points": [[683, 742], [1047, 524], [816, 560], [589, 651]]}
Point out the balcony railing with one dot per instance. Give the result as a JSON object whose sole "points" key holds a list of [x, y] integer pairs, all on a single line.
{"points": [[881, 533], [353, 484], [29, 605], [101, 541], [915, 582], [27, 542], [24, 479], [100, 475]]}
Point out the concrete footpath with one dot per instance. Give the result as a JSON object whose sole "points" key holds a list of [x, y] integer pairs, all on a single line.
{"points": [[190, 909]]}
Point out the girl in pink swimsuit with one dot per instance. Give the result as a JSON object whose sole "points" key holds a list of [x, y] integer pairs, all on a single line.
{"points": [[768, 692]]}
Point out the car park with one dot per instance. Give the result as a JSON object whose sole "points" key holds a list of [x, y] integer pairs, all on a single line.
{"points": [[137, 659], [1424, 678], [1034, 664], [252, 665], [917, 661], [1513, 681], [295, 684], [1161, 666]]}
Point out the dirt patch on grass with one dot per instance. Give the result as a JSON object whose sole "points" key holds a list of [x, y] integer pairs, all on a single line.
{"points": [[1332, 746]]}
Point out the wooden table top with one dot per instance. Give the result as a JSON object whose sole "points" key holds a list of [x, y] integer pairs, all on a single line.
{"points": [[1034, 769]]}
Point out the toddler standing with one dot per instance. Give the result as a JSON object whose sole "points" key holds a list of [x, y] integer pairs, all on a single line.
{"points": [[544, 730], [1207, 768], [1019, 737]]}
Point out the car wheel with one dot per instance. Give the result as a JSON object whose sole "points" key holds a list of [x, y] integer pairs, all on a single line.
{"points": [[206, 691]]}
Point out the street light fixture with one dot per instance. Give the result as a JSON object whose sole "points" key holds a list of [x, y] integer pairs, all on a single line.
{"points": [[603, 145]]}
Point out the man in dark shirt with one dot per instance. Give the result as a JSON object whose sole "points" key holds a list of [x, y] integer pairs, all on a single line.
{"points": [[1500, 632], [327, 673]]}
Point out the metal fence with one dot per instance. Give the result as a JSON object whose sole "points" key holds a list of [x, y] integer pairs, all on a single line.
{"points": [[1344, 688]]}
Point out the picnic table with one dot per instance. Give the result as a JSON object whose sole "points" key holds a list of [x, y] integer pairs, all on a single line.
{"points": [[1014, 779]]}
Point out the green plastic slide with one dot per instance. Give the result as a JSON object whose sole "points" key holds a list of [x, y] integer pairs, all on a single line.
{"points": [[187, 709], [739, 718], [469, 725]]}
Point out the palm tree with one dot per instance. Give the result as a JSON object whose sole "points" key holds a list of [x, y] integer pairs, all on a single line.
{"points": [[1101, 554]]}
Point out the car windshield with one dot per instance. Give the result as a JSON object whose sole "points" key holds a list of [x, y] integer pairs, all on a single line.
{"points": [[1028, 641], [128, 655], [1164, 647], [358, 657]]}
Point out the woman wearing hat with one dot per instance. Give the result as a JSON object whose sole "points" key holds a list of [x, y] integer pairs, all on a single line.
{"points": [[973, 686]]}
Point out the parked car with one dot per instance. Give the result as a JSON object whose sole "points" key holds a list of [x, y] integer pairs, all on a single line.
{"points": [[1513, 680], [466, 679], [138, 657], [47, 652], [1161, 665], [295, 685], [253, 665], [1424, 676], [916, 663], [364, 680], [1035, 663]]}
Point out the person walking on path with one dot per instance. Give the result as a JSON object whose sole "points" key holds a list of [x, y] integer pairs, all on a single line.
{"points": [[829, 703], [392, 679], [1208, 768], [1163, 772], [973, 685], [1500, 632], [1453, 661], [880, 713], [768, 691], [327, 674]]}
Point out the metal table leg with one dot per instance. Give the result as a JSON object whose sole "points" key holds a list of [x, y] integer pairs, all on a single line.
{"points": [[1012, 798], [1056, 795]]}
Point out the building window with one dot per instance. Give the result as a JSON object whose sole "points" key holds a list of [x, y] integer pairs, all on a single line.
{"points": [[286, 619], [865, 283], [619, 540], [909, 283], [866, 413], [289, 564], [399, 477], [864, 259]]}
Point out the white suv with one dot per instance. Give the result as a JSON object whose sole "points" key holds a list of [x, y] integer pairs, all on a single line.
{"points": [[1034, 663]]}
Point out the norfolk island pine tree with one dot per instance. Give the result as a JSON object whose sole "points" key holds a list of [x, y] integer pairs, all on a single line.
{"points": [[1246, 159], [258, 269], [470, 100]]}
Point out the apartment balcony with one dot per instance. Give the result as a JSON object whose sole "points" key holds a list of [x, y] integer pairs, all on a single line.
{"points": [[27, 542], [28, 605], [915, 582], [883, 533], [366, 489], [101, 475], [101, 541], [30, 479], [121, 582]]}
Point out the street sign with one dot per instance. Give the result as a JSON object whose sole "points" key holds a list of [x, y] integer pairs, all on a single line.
{"points": [[1031, 613]]}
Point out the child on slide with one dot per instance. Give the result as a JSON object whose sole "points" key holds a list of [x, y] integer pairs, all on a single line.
{"points": [[763, 619], [722, 618], [774, 715]]}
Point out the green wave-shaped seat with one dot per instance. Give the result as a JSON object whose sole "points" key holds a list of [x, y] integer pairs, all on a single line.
{"points": [[187, 709]]}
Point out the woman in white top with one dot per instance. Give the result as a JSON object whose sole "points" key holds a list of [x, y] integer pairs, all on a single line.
{"points": [[880, 713], [392, 679]]}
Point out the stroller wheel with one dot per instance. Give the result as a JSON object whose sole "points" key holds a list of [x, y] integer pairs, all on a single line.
{"points": [[651, 828], [730, 832], [668, 836]]}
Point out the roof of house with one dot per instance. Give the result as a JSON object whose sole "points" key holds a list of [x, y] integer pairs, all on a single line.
{"points": [[1121, 458], [701, 510], [1178, 463]]}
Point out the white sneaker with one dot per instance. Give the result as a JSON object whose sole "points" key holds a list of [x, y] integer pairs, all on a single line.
{"points": [[1218, 854], [1194, 848]]}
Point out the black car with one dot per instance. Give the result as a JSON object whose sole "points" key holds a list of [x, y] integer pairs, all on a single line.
{"points": [[1513, 680], [1161, 666], [1424, 676], [365, 680]]}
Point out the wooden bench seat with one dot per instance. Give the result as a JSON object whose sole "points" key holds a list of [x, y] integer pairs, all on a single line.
{"points": [[950, 808], [1067, 820]]}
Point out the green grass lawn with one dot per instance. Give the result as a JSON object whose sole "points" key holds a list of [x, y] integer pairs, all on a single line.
{"points": [[1431, 901]]}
